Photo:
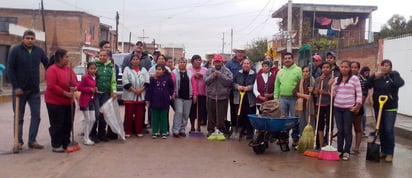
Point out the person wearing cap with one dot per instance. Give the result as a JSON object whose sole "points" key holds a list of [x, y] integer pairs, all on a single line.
{"points": [[198, 110], [331, 58], [286, 80], [144, 57], [218, 82], [316, 70]]}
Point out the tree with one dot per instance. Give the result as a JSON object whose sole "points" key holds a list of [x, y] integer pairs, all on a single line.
{"points": [[395, 26], [256, 50]]}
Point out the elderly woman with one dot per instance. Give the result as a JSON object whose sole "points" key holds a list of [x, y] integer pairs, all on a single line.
{"points": [[61, 83], [387, 82], [135, 78], [243, 82]]}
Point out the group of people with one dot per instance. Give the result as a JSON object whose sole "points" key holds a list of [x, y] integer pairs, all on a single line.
{"points": [[201, 95]]}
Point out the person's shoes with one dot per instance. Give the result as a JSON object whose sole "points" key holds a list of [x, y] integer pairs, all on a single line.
{"points": [[295, 143], [164, 136], [112, 137], [103, 139], [95, 139], [182, 134], [88, 142], [354, 152], [176, 135], [36, 145], [154, 136], [139, 135], [58, 150], [127, 135], [345, 156], [388, 158], [382, 155]]}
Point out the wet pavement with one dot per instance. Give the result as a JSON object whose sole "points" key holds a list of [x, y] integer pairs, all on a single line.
{"points": [[180, 157]]}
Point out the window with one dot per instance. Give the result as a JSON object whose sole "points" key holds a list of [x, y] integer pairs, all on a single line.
{"points": [[5, 21]]}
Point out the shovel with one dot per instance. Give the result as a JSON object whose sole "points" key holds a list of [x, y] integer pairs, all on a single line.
{"points": [[236, 131], [373, 150]]}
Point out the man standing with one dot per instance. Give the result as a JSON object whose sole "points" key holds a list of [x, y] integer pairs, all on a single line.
{"points": [[218, 82], [24, 74], [234, 65], [286, 81], [144, 58]]}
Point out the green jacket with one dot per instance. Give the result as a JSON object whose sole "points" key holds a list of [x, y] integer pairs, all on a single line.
{"points": [[286, 80], [105, 76]]}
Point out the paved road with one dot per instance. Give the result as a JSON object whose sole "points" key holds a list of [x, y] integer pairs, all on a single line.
{"points": [[182, 157]]}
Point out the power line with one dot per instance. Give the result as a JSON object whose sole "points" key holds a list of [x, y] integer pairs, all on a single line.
{"points": [[256, 16]]}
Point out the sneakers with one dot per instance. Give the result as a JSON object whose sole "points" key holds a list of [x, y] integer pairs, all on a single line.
{"points": [[345, 156], [58, 150], [127, 135], [88, 142], [388, 158], [139, 135], [35, 145], [164, 136], [154, 136]]}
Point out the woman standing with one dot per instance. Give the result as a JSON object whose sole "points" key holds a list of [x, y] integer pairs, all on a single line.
{"points": [[348, 100], [387, 82], [303, 89], [263, 87], [135, 78], [357, 121], [61, 83]]}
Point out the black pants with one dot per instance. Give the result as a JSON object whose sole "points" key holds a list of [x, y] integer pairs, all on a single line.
{"points": [[99, 127], [60, 118], [198, 110]]}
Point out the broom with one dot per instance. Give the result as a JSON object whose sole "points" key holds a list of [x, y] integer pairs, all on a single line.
{"points": [[197, 132], [73, 145], [313, 152], [216, 135], [307, 138], [329, 152]]}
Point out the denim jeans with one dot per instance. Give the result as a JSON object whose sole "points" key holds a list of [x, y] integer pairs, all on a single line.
{"points": [[99, 127], [386, 132], [182, 110], [344, 119], [34, 103], [287, 106]]}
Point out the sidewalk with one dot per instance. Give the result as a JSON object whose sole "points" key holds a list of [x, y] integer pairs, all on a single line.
{"points": [[403, 125]]}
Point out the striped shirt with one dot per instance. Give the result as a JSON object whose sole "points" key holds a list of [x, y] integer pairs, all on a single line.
{"points": [[347, 94]]}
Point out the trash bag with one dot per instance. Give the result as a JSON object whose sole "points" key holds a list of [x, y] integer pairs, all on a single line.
{"points": [[271, 109], [110, 110]]}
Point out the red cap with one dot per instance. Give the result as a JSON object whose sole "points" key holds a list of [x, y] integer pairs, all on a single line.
{"points": [[218, 57], [317, 58]]}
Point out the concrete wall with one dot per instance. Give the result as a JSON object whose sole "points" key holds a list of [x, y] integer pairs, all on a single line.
{"points": [[399, 51]]}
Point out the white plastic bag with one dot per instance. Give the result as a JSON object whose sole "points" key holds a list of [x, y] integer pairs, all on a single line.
{"points": [[110, 110]]}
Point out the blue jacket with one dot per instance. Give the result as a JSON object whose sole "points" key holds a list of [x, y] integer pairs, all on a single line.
{"points": [[159, 92], [24, 67]]}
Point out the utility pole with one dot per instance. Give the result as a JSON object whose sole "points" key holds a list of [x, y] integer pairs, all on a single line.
{"points": [[117, 31], [223, 43], [44, 27], [130, 41], [143, 37], [289, 37], [231, 43]]}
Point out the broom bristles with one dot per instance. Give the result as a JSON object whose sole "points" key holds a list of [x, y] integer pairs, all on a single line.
{"points": [[307, 139]]}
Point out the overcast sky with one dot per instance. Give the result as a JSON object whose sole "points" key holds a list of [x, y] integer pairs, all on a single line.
{"points": [[199, 25]]}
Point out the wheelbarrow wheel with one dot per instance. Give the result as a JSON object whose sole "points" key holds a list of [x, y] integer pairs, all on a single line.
{"points": [[261, 144]]}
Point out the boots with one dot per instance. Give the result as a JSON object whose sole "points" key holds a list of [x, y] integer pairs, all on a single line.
{"points": [[89, 119]]}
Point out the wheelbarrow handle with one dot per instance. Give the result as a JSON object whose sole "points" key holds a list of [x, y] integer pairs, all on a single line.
{"points": [[382, 100]]}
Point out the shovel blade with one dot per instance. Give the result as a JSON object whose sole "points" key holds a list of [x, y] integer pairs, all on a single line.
{"points": [[373, 151]]}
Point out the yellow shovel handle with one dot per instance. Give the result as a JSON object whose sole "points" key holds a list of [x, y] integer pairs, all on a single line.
{"points": [[382, 100]]}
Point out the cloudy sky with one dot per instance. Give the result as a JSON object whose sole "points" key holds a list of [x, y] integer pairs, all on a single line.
{"points": [[198, 25]]}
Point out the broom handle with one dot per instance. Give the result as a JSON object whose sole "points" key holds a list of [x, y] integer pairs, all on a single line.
{"points": [[330, 111], [317, 115], [16, 121]]}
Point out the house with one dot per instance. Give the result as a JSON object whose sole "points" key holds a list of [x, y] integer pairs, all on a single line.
{"points": [[343, 25]]}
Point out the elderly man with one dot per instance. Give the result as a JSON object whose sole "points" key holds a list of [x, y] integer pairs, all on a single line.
{"points": [[218, 82]]}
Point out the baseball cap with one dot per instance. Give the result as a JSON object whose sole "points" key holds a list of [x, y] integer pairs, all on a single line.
{"points": [[331, 53], [317, 58], [218, 57]]}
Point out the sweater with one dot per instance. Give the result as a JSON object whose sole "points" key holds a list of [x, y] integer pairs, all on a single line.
{"points": [[218, 87], [199, 82], [59, 79], [86, 85], [134, 79], [347, 94], [24, 67], [286, 80], [159, 92], [388, 85], [244, 79], [264, 85]]}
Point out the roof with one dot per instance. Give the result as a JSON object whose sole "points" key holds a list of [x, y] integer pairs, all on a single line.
{"points": [[66, 12], [326, 8]]}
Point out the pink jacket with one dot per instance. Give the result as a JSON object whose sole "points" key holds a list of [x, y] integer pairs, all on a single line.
{"points": [[85, 87]]}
